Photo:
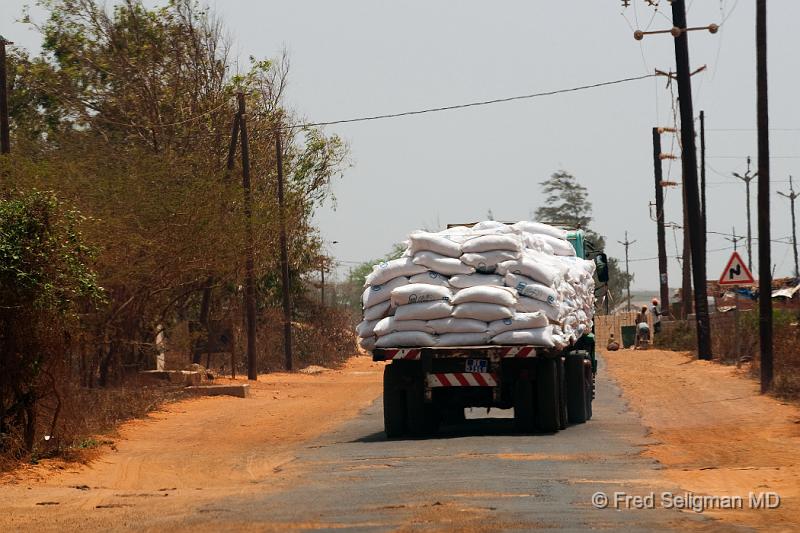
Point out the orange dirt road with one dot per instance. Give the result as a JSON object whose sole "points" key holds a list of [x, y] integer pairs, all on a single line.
{"points": [[193, 450], [715, 434]]}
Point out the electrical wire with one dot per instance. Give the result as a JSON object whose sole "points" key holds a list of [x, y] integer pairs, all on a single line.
{"points": [[470, 104]]}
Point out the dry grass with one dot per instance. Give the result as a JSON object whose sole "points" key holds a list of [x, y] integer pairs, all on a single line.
{"points": [[735, 340]]}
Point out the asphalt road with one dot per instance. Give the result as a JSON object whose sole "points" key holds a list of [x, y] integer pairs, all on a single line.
{"points": [[477, 475]]}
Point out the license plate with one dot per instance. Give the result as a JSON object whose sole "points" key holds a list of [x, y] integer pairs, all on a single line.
{"points": [[477, 365]]}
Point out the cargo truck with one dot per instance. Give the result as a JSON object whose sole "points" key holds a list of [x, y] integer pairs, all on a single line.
{"points": [[548, 388]]}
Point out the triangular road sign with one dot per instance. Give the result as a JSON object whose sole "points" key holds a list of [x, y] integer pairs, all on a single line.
{"points": [[736, 272]]}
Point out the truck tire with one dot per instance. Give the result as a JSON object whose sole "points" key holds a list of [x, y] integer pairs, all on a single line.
{"points": [[577, 391], [589, 380], [422, 418], [394, 402], [563, 416], [453, 415], [547, 396], [524, 415]]}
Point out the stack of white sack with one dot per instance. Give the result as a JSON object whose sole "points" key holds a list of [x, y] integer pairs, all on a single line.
{"points": [[492, 283]]}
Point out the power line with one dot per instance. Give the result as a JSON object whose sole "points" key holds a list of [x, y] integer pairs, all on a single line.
{"points": [[470, 104]]}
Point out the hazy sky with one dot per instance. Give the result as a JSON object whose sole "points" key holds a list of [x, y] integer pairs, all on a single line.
{"points": [[354, 58]]}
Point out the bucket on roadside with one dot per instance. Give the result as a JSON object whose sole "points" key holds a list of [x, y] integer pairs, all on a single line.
{"points": [[628, 336]]}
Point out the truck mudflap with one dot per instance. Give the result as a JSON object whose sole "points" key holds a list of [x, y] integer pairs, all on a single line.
{"points": [[389, 354], [462, 379]]}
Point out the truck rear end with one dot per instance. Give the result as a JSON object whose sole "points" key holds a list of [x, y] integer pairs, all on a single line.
{"points": [[547, 388]]}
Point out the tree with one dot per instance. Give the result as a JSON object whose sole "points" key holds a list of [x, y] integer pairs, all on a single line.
{"points": [[567, 204], [45, 280], [127, 115]]}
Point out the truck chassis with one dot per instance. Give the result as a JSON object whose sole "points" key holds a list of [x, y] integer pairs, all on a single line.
{"points": [[548, 389]]}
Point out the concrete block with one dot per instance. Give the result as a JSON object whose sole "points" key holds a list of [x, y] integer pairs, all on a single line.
{"points": [[238, 390]]}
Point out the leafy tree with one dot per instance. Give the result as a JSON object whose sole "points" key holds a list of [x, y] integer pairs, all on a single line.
{"points": [[45, 279], [567, 204], [127, 114]]}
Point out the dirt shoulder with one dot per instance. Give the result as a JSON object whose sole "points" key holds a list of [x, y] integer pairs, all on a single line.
{"points": [[715, 433], [195, 449]]}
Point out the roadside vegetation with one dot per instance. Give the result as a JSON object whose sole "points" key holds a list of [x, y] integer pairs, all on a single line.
{"points": [[121, 224], [738, 344]]}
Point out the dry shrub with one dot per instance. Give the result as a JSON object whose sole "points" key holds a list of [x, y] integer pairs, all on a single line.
{"points": [[321, 336]]}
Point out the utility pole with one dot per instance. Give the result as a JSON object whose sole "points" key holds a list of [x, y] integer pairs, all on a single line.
{"points": [[627, 244], [689, 160], [660, 233], [764, 244], [686, 265], [250, 282], [747, 178], [322, 283], [5, 138], [703, 171], [792, 196], [734, 239], [286, 288]]}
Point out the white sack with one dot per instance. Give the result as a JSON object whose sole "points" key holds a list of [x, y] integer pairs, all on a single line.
{"points": [[457, 325], [383, 272], [403, 339], [422, 240], [531, 305], [535, 270], [525, 286], [487, 261], [539, 228], [535, 337], [424, 311], [391, 325], [366, 328], [492, 225], [486, 243], [486, 294], [378, 311], [375, 294], [367, 343], [431, 278], [518, 321], [463, 339], [560, 246], [482, 311], [419, 292], [465, 281], [448, 266]]}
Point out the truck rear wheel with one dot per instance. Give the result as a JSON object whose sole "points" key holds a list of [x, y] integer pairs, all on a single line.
{"points": [[563, 416], [524, 418], [577, 391], [547, 396], [422, 418], [589, 380], [394, 402]]}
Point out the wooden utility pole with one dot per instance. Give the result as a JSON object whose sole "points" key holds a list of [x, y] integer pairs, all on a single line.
{"points": [[703, 206], [689, 167], [734, 239], [286, 288], [792, 196], [627, 244], [686, 258], [322, 282], [250, 278], [764, 243], [5, 138], [747, 178], [660, 233]]}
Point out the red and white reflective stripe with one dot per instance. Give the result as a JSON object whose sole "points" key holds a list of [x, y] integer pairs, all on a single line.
{"points": [[518, 351], [462, 379], [402, 353]]}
